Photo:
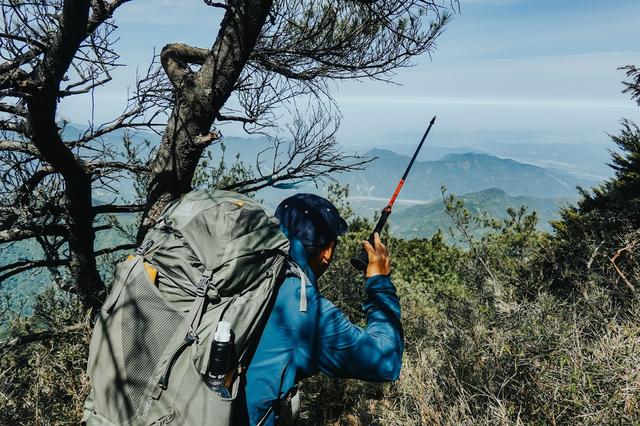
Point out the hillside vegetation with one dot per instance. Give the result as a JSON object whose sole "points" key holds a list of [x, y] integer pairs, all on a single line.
{"points": [[425, 220]]}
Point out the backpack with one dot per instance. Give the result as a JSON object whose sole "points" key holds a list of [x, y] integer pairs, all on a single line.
{"points": [[212, 256]]}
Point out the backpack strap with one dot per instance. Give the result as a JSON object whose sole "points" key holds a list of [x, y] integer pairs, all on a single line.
{"points": [[296, 271], [295, 404], [289, 402], [185, 333], [303, 291]]}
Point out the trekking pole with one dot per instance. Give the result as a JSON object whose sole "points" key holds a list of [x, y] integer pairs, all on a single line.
{"points": [[361, 261]]}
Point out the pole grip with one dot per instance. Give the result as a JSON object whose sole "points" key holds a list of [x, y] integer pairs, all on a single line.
{"points": [[361, 261]]}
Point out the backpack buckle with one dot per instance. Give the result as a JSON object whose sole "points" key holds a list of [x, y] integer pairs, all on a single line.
{"points": [[190, 338], [203, 286], [144, 247]]}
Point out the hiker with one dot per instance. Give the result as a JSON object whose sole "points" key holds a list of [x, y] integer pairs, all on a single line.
{"points": [[306, 333], [216, 316]]}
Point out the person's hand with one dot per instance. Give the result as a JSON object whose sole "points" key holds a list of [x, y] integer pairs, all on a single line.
{"points": [[379, 262]]}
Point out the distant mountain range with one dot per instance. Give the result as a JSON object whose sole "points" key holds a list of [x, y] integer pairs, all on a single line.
{"points": [[498, 182], [424, 220], [461, 169], [461, 174], [584, 155]]}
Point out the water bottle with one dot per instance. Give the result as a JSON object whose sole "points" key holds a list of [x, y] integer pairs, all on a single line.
{"points": [[220, 359]]}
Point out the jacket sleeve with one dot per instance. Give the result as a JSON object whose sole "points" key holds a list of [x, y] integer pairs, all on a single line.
{"points": [[373, 353]]}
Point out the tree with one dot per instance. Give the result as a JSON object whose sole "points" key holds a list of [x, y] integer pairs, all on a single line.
{"points": [[52, 50], [267, 54], [601, 230]]}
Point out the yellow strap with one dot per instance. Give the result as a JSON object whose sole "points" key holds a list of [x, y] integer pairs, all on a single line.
{"points": [[152, 273]]}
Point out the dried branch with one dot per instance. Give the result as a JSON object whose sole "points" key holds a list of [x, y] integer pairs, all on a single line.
{"points": [[15, 146], [629, 248], [176, 58], [94, 166], [216, 4], [28, 265], [312, 153], [221, 117], [16, 126], [43, 335], [114, 208], [15, 234], [16, 110], [114, 249]]}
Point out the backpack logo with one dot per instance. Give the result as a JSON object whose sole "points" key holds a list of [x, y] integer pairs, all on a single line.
{"points": [[185, 209]]}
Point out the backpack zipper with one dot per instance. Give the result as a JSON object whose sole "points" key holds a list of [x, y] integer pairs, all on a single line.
{"points": [[188, 341]]}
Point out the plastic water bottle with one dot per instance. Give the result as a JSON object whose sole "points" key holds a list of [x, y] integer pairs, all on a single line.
{"points": [[220, 359]]}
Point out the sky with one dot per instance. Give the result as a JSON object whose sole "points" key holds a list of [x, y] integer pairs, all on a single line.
{"points": [[530, 70]]}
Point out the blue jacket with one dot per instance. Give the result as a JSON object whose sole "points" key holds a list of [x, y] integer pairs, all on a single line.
{"points": [[296, 345]]}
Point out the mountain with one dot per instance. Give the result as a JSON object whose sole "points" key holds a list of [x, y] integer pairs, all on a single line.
{"points": [[461, 174], [422, 221], [581, 153], [586, 160]]}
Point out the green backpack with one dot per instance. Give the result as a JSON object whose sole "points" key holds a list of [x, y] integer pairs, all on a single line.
{"points": [[218, 256]]}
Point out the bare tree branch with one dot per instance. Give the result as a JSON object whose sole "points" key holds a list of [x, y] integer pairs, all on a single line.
{"points": [[221, 117], [114, 249], [114, 208], [176, 58], [43, 335], [116, 165], [14, 234], [27, 265], [23, 147], [311, 153]]}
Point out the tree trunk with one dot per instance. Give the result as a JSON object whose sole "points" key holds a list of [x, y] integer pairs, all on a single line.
{"points": [[42, 106], [79, 212], [200, 96]]}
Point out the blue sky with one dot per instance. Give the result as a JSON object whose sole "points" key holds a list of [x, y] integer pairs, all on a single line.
{"points": [[545, 67]]}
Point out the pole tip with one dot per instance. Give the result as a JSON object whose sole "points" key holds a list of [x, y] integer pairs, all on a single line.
{"points": [[433, 120]]}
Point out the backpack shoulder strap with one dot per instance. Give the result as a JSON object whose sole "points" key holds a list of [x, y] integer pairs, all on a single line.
{"points": [[293, 270]]}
